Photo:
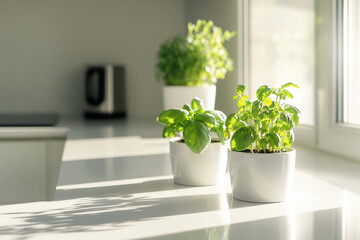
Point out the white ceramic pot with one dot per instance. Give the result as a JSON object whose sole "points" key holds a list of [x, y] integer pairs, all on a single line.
{"points": [[207, 168], [262, 177], [177, 96]]}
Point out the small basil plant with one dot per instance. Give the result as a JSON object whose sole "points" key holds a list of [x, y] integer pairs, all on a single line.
{"points": [[264, 125], [194, 123]]}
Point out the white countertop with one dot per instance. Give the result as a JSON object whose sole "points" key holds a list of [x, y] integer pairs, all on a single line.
{"points": [[7, 133], [116, 183]]}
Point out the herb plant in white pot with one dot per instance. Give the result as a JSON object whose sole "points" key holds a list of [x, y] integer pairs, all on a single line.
{"points": [[191, 66], [261, 160], [197, 158]]}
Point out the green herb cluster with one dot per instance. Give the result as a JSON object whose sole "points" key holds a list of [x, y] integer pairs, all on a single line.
{"points": [[195, 123], [198, 59], [264, 125]]}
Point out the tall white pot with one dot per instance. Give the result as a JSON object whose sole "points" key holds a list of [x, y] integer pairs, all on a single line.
{"points": [[177, 96], [207, 168], [262, 177]]}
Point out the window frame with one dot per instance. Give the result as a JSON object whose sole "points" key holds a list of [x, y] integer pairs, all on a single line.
{"points": [[333, 136]]}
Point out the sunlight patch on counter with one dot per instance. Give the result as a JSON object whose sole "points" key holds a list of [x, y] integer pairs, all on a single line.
{"points": [[85, 149]]}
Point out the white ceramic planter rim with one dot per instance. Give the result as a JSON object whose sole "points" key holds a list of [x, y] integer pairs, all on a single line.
{"points": [[207, 168], [262, 177], [288, 152]]}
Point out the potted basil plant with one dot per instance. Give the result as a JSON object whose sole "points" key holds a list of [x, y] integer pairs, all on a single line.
{"points": [[197, 158], [191, 66], [261, 160]]}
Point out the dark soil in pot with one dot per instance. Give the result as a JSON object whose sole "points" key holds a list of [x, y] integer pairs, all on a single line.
{"points": [[262, 151]]}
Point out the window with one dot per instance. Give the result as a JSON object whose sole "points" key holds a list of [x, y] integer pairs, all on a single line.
{"points": [[315, 44], [349, 43], [281, 49], [338, 103]]}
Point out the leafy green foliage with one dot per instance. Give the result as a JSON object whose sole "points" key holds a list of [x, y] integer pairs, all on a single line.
{"points": [[243, 137], [195, 123], [173, 116], [264, 125], [199, 58], [197, 135]]}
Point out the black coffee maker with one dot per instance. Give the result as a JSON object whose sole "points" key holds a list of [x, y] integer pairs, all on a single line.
{"points": [[105, 94]]}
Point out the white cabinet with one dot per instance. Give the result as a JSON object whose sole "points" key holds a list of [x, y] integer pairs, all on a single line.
{"points": [[30, 161]]}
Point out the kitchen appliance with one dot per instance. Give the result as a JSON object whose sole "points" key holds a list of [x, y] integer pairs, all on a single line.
{"points": [[105, 91]]}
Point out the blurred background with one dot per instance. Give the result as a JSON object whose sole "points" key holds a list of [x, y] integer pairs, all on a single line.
{"points": [[45, 47]]}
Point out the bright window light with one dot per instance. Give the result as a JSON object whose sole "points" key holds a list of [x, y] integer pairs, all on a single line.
{"points": [[281, 49]]}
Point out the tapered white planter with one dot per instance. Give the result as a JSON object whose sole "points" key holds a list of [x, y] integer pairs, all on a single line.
{"points": [[207, 168], [176, 96], [261, 177], [30, 163]]}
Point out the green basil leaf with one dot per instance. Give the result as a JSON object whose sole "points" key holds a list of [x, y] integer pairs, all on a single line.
{"points": [[286, 93], [206, 118], [253, 136], [171, 130], [220, 133], [287, 122], [295, 118], [240, 89], [231, 120], [240, 103], [267, 101], [227, 133], [197, 104], [245, 116], [214, 115], [289, 139], [265, 123], [172, 116], [292, 110], [256, 108], [263, 92], [239, 124], [273, 114], [241, 139], [289, 84], [273, 139], [219, 115], [264, 112], [273, 104], [241, 110], [277, 127], [196, 136], [187, 108]]}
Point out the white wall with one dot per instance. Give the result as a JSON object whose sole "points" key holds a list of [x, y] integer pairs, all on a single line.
{"points": [[45, 45], [225, 14]]}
